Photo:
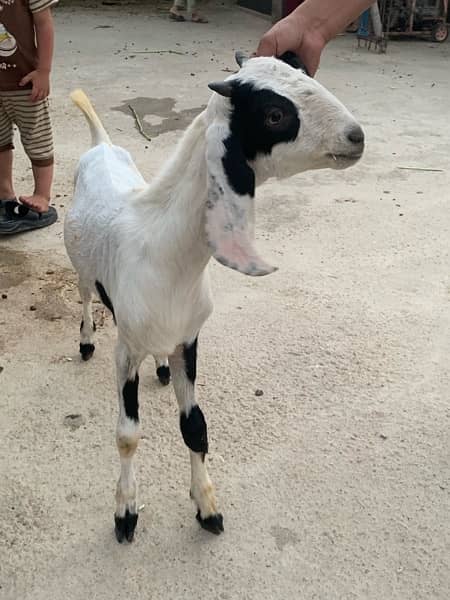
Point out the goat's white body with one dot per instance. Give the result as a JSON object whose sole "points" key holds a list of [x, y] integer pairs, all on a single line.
{"points": [[148, 245], [157, 281]]}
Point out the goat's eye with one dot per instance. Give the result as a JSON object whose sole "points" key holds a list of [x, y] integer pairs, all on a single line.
{"points": [[274, 117]]}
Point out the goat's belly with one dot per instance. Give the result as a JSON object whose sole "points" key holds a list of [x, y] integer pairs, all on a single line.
{"points": [[160, 327]]}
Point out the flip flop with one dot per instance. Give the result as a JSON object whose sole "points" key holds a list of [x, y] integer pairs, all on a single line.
{"points": [[200, 20], [17, 218], [175, 17]]}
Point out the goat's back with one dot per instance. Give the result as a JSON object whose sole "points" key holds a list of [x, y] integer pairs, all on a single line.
{"points": [[105, 180], [106, 174]]}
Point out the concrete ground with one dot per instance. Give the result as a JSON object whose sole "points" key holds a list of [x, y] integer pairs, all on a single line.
{"points": [[334, 484]]}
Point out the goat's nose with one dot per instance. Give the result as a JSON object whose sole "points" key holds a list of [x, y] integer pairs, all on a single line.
{"points": [[355, 134]]}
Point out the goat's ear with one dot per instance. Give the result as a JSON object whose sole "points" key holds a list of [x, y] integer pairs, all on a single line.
{"points": [[230, 205], [291, 59]]}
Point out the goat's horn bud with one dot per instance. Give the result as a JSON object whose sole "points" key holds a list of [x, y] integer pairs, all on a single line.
{"points": [[241, 58], [224, 88]]}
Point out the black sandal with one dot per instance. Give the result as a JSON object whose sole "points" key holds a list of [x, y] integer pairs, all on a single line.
{"points": [[17, 218], [176, 17]]}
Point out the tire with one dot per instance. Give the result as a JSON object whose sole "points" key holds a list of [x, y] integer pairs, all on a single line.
{"points": [[439, 33]]}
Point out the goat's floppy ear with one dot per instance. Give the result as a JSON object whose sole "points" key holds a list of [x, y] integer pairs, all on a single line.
{"points": [[230, 205]]}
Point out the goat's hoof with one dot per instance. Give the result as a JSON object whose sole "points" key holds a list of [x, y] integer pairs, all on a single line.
{"points": [[163, 373], [125, 526], [213, 524], [86, 351]]}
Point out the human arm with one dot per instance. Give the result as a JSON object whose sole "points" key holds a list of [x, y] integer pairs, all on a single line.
{"points": [[40, 77], [308, 29]]}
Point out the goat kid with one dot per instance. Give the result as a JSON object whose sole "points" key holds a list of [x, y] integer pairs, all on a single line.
{"points": [[143, 248]]}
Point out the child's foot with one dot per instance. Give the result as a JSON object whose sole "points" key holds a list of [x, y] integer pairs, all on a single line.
{"points": [[175, 15], [37, 202], [196, 18], [7, 194]]}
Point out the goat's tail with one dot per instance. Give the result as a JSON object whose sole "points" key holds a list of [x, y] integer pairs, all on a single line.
{"points": [[98, 132]]}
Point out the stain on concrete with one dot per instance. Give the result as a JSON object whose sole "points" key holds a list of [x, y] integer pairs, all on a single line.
{"points": [[57, 296], [164, 108], [74, 421], [283, 536], [15, 267]]}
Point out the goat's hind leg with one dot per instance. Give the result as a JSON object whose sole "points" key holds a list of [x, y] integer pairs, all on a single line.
{"points": [[127, 438], [87, 327], [162, 370], [193, 428]]}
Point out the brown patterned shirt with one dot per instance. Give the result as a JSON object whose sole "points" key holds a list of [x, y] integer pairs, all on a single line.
{"points": [[18, 51]]}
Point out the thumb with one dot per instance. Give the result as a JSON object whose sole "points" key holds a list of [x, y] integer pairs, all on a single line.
{"points": [[25, 79]]}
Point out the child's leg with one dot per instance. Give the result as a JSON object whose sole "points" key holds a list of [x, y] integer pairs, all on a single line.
{"points": [[6, 183], [195, 15], [177, 7], [43, 179], [33, 121], [6, 154]]}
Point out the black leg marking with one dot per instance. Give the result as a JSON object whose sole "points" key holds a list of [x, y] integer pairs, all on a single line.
{"points": [[163, 373], [190, 360], [86, 351], [194, 430], [125, 527], [94, 326], [213, 524], [105, 298], [130, 398]]}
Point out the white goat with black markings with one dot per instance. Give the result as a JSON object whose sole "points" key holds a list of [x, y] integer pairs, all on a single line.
{"points": [[144, 248]]}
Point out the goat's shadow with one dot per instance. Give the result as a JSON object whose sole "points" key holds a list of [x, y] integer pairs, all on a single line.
{"points": [[164, 108]]}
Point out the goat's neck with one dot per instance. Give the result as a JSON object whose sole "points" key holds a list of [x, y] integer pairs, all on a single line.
{"points": [[178, 197]]}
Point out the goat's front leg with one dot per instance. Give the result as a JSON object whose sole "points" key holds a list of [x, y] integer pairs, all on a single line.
{"points": [[127, 438], [183, 365], [87, 327]]}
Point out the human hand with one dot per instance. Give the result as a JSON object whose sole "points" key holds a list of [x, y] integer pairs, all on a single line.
{"points": [[292, 33], [41, 84]]}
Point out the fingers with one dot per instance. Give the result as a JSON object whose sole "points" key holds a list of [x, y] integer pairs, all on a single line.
{"points": [[268, 45], [26, 79], [38, 94], [35, 93], [313, 65]]}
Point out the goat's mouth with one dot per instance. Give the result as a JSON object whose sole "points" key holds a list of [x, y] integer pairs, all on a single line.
{"points": [[340, 161]]}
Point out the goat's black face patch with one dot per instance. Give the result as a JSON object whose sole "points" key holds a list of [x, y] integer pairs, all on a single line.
{"points": [[260, 119], [240, 175]]}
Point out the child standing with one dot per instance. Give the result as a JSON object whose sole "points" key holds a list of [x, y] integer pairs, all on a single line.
{"points": [[191, 6], [26, 51]]}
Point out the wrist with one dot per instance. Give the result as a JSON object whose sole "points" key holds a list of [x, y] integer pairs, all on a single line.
{"points": [[313, 27], [43, 70]]}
